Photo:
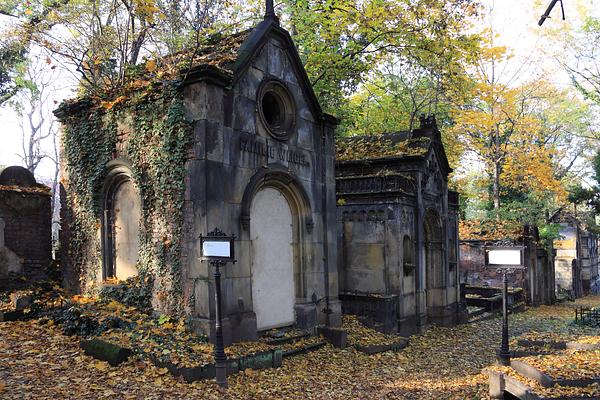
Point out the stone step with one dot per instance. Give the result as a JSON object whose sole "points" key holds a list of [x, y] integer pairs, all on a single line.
{"points": [[500, 383], [305, 349], [380, 348], [105, 351], [14, 315], [532, 372], [261, 360], [288, 339]]}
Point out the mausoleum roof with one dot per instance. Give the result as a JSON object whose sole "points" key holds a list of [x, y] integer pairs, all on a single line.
{"points": [[220, 51], [402, 146], [390, 145]]}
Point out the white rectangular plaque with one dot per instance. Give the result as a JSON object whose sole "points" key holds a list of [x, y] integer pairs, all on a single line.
{"points": [[504, 257], [216, 248]]}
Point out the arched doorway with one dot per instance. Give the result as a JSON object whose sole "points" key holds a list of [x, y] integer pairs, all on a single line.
{"points": [[271, 234], [434, 260], [120, 226]]}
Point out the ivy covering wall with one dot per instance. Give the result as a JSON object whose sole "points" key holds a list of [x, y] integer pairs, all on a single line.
{"points": [[149, 130]]}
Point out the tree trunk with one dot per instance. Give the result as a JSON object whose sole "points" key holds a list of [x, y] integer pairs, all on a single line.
{"points": [[496, 186]]}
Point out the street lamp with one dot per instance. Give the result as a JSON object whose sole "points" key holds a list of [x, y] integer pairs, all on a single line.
{"points": [[505, 259], [218, 249]]}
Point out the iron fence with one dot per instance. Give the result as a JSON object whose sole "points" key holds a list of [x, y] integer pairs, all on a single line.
{"points": [[587, 316]]}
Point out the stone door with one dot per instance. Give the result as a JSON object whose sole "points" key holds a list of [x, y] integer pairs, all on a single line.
{"points": [[272, 259], [127, 213]]}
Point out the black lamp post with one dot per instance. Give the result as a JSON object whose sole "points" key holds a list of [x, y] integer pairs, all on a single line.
{"points": [[218, 249], [505, 259]]}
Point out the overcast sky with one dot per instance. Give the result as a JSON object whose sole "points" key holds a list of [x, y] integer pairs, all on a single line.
{"points": [[514, 20]]}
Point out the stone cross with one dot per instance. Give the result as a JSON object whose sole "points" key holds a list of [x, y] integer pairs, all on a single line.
{"points": [[2, 225]]}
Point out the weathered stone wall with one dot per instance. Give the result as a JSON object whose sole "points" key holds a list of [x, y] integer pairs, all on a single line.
{"points": [[9, 261], [576, 261], [473, 271], [589, 260], [141, 142]]}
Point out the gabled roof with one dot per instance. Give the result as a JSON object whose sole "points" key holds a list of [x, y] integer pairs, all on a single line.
{"points": [[229, 59], [221, 53]]}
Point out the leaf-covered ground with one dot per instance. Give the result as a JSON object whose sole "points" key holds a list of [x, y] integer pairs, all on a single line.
{"points": [[38, 362]]}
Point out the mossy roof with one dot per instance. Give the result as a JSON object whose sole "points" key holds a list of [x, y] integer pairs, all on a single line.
{"points": [[220, 51], [390, 145], [217, 57]]}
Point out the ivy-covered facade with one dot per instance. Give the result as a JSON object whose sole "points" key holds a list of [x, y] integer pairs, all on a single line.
{"points": [[239, 143]]}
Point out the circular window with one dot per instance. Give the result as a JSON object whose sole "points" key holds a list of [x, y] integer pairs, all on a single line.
{"points": [[276, 109]]}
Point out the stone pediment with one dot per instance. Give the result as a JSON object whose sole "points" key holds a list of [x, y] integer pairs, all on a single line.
{"points": [[226, 62]]}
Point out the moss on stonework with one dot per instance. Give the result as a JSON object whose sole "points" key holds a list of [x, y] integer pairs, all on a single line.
{"points": [[154, 136], [380, 146]]}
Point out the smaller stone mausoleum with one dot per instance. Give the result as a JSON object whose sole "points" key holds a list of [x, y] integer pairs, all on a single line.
{"points": [[237, 142], [397, 230]]}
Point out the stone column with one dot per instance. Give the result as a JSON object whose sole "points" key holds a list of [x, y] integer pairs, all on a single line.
{"points": [[420, 300], [445, 244]]}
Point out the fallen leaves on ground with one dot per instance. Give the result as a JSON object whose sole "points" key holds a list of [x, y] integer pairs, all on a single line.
{"points": [[362, 335], [554, 392], [38, 362], [589, 339], [568, 365]]}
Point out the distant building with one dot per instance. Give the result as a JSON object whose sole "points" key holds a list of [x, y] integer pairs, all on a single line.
{"points": [[397, 230], [576, 255], [536, 280]]}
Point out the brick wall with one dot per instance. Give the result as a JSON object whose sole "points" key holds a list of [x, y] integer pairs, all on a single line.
{"points": [[473, 270], [28, 228]]}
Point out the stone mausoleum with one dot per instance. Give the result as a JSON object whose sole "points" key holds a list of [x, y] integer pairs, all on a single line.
{"points": [[397, 230], [237, 142]]}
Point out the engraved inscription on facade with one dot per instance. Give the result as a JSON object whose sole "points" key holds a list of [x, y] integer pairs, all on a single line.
{"points": [[273, 151]]}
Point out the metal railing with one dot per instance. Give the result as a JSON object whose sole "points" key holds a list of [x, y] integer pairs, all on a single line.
{"points": [[587, 316]]}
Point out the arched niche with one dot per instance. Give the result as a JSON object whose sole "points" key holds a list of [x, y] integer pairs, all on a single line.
{"points": [[408, 255], [276, 217], [121, 215], [279, 177], [434, 255]]}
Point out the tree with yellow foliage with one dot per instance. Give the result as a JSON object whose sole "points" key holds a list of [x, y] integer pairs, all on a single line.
{"points": [[501, 125]]}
